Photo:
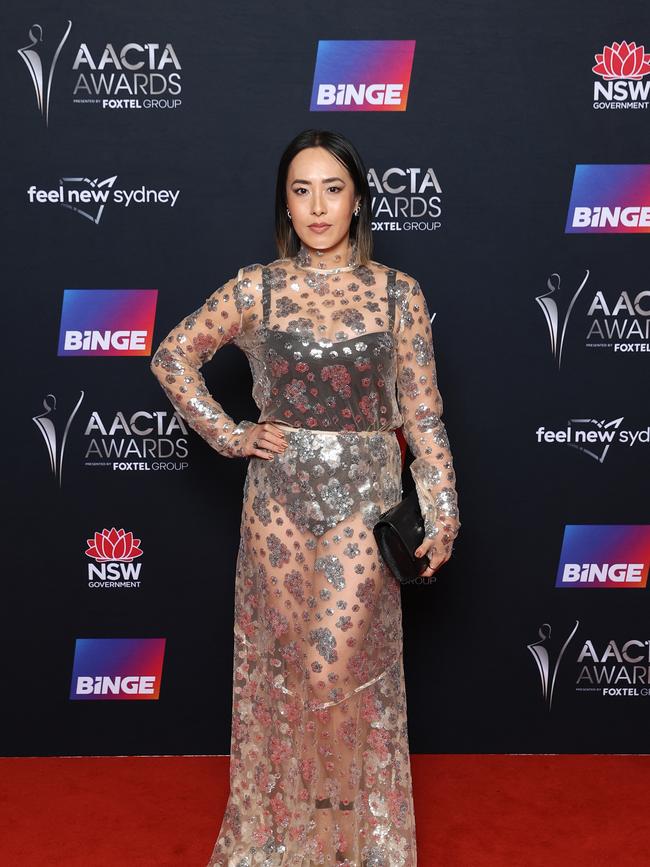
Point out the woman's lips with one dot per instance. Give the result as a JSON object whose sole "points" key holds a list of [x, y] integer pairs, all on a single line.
{"points": [[319, 229]]}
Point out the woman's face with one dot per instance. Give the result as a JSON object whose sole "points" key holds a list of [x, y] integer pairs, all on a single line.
{"points": [[320, 190]]}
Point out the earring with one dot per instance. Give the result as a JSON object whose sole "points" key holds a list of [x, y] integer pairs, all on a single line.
{"points": [[289, 213], [356, 211]]}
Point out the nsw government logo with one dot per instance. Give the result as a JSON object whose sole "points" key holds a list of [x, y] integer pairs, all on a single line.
{"points": [[604, 556], [622, 68], [609, 199], [117, 668], [112, 553], [362, 75], [107, 321]]}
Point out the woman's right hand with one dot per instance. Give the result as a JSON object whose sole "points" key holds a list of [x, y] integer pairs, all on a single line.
{"points": [[262, 440]]}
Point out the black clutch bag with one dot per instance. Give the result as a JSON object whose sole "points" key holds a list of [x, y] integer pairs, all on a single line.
{"points": [[398, 533]]}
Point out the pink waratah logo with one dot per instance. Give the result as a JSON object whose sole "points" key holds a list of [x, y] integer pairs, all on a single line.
{"points": [[113, 545], [622, 60]]}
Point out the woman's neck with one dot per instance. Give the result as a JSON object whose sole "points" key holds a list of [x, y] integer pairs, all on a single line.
{"points": [[344, 255]]}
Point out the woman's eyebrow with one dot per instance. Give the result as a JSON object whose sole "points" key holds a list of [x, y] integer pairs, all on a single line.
{"points": [[324, 180]]}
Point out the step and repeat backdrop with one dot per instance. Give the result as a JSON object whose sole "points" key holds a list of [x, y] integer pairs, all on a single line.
{"points": [[508, 154]]}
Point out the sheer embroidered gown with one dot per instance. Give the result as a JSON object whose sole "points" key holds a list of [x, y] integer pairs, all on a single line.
{"points": [[340, 358]]}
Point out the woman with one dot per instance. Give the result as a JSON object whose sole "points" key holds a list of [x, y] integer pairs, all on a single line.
{"points": [[341, 355]]}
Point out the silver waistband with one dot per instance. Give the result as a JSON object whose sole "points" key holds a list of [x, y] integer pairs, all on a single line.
{"points": [[316, 430]]}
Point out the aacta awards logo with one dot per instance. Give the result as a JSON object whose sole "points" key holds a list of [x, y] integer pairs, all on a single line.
{"points": [[622, 66], [557, 306], [113, 552], [41, 68], [130, 76], [548, 658], [405, 199], [138, 441], [54, 430], [620, 321], [617, 321], [615, 669], [610, 668]]}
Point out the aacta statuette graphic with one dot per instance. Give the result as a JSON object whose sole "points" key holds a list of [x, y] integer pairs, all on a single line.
{"points": [[31, 54], [556, 318], [542, 656], [48, 428]]}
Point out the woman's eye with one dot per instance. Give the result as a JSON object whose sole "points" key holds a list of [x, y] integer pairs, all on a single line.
{"points": [[300, 190]]}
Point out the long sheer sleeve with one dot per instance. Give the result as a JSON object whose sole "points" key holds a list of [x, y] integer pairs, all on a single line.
{"points": [[192, 343], [421, 407]]}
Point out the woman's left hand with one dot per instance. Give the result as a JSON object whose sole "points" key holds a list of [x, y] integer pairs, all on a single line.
{"points": [[427, 548]]}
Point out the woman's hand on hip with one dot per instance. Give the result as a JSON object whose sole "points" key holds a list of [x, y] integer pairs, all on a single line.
{"points": [[263, 440]]}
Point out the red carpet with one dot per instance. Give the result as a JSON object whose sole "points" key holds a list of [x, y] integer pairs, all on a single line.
{"points": [[471, 811]]}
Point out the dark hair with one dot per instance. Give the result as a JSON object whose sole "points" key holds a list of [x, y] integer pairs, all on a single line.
{"points": [[286, 238]]}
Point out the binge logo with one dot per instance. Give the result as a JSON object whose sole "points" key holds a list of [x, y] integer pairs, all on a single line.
{"points": [[604, 556], [610, 199], [107, 321], [362, 75], [117, 668]]}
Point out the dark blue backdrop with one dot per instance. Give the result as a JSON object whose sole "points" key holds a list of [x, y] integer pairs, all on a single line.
{"points": [[500, 108]]}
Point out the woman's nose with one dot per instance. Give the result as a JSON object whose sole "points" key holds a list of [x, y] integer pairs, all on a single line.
{"points": [[318, 204]]}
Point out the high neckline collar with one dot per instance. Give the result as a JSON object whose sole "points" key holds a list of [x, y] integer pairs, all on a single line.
{"points": [[308, 259]]}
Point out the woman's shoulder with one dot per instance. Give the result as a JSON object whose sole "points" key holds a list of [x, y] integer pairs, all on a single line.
{"points": [[249, 271], [254, 272], [403, 280]]}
